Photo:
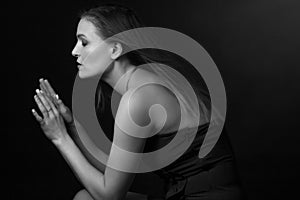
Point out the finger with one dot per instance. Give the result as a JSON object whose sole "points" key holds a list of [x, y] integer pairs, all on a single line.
{"points": [[37, 117], [46, 101], [49, 88], [53, 108], [53, 96], [41, 96], [44, 87], [50, 93], [41, 106], [61, 106], [57, 102], [49, 98]]}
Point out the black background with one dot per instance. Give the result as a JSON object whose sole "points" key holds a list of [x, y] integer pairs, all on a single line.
{"points": [[255, 44]]}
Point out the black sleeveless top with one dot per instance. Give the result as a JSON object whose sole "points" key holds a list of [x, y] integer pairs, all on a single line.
{"points": [[160, 182], [168, 180]]}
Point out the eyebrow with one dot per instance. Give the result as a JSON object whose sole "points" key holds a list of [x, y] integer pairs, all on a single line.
{"points": [[80, 36]]}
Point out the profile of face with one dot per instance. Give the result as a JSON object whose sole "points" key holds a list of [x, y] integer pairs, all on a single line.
{"points": [[92, 52]]}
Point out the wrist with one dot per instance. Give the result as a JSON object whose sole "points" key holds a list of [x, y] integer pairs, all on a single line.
{"points": [[62, 141]]}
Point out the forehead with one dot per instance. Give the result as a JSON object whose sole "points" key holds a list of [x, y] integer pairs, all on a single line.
{"points": [[87, 28]]}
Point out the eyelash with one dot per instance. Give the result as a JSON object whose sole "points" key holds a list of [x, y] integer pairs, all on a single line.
{"points": [[84, 43]]}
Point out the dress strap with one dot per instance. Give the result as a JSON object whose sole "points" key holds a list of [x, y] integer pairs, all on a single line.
{"points": [[130, 77]]}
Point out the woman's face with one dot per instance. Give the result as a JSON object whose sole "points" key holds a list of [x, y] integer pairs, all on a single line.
{"points": [[91, 51]]}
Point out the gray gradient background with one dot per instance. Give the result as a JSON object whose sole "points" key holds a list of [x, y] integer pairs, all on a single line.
{"points": [[254, 44]]}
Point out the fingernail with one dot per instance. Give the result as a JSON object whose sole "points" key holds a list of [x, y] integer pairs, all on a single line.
{"points": [[41, 79], [63, 109], [37, 91]]}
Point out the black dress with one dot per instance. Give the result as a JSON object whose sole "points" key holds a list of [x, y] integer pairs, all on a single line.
{"points": [[213, 177], [189, 177]]}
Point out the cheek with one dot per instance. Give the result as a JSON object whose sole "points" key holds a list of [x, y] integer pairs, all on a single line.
{"points": [[84, 55], [98, 59]]}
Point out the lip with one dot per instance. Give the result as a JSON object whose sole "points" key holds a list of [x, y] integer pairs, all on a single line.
{"points": [[79, 67]]}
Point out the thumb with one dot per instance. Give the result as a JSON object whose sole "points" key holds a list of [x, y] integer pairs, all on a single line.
{"points": [[64, 111], [61, 106]]}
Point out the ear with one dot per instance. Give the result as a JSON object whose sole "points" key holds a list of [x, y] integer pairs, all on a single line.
{"points": [[116, 50]]}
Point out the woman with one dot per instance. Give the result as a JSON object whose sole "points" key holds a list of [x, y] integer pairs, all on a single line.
{"points": [[189, 177]]}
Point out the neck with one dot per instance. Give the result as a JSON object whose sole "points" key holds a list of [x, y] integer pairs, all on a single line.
{"points": [[118, 75]]}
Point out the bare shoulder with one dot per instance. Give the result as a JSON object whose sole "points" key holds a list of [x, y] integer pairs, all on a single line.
{"points": [[148, 96]]}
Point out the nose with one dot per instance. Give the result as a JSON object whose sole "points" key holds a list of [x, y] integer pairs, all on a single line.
{"points": [[75, 51]]}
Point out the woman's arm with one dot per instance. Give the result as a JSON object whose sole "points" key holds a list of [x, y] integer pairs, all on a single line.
{"points": [[70, 122], [75, 137], [113, 184], [134, 111], [140, 115], [88, 175], [53, 126]]}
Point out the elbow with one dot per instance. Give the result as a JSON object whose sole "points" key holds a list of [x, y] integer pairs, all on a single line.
{"points": [[109, 198], [106, 193], [102, 196], [112, 197]]}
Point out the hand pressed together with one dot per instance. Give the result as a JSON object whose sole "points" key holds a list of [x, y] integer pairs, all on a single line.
{"points": [[63, 110], [54, 112]]}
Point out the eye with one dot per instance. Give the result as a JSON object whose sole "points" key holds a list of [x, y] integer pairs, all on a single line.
{"points": [[84, 43]]}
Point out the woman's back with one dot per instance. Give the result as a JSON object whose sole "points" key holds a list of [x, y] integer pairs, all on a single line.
{"points": [[189, 175], [140, 77]]}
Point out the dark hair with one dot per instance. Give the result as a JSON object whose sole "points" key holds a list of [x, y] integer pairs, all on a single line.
{"points": [[111, 19]]}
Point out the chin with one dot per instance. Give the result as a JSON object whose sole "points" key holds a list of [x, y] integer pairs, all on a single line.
{"points": [[84, 75]]}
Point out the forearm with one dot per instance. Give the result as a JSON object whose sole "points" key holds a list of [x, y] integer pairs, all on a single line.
{"points": [[90, 177], [75, 136]]}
